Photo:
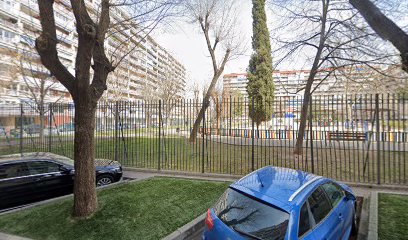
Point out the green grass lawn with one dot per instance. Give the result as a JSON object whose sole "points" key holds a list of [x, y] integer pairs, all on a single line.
{"points": [[392, 216], [177, 153], [149, 209]]}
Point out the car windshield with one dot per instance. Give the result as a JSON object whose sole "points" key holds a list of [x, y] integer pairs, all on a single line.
{"points": [[250, 217]]}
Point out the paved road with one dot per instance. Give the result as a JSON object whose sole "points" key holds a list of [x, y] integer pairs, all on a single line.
{"points": [[196, 235]]}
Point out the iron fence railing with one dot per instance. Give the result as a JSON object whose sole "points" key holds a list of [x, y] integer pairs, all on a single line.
{"points": [[358, 138]]}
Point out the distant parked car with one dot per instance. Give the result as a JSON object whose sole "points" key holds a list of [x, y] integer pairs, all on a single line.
{"points": [[139, 125], [67, 127], [100, 128], [32, 129], [16, 133], [280, 203], [52, 129], [2, 131], [39, 176]]}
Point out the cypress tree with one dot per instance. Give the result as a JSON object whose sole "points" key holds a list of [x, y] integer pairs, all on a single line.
{"points": [[260, 86]]}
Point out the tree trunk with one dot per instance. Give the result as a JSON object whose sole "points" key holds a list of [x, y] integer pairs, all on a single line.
{"points": [[42, 127], [302, 125], [41, 109], [42, 120], [200, 117], [306, 97], [85, 202]]}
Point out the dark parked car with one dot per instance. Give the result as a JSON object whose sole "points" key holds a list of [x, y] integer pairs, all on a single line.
{"points": [[39, 176]]}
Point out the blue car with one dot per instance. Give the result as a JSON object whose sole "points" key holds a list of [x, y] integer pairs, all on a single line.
{"points": [[281, 203]]}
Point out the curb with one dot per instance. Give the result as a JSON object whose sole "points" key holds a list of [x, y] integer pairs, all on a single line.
{"points": [[373, 217], [234, 177], [187, 175], [363, 225], [185, 231], [381, 187]]}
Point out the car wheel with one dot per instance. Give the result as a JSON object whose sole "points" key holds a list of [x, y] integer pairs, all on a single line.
{"points": [[354, 226], [104, 180]]}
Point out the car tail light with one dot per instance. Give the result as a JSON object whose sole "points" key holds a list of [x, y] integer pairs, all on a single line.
{"points": [[208, 220]]}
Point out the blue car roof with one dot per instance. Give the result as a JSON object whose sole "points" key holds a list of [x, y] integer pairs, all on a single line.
{"points": [[277, 186]]}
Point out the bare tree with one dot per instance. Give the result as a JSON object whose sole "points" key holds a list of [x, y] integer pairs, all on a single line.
{"points": [[384, 27], [38, 83], [217, 21], [331, 36], [150, 96], [169, 91], [94, 62], [217, 97]]}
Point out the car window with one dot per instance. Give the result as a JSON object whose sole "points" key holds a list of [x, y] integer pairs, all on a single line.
{"points": [[13, 170], [248, 216], [304, 220], [319, 204], [39, 167], [334, 192]]}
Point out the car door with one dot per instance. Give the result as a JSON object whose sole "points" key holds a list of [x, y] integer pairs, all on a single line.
{"points": [[16, 185], [49, 179], [341, 206], [326, 222]]}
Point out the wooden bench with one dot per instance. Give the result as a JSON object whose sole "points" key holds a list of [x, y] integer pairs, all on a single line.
{"points": [[346, 136]]}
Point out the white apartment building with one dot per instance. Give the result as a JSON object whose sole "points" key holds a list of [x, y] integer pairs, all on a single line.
{"points": [[148, 64], [356, 80]]}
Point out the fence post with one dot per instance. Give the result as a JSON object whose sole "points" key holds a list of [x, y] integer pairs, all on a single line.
{"points": [[50, 127], [253, 136], [160, 124], [377, 118], [203, 145], [21, 128], [230, 117], [311, 131], [116, 131]]}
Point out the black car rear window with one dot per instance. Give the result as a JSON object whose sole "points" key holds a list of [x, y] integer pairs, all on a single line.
{"points": [[249, 216]]}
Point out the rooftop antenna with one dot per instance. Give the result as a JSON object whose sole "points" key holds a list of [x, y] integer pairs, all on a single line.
{"points": [[260, 180]]}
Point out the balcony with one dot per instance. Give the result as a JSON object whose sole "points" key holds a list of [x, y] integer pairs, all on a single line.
{"points": [[31, 4], [9, 9], [66, 3], [8, 24], [31, 21]]}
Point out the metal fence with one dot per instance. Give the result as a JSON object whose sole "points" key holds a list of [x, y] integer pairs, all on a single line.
{"points": [[358, 138]]}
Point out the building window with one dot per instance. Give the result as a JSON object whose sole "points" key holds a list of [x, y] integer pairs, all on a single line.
{"points": [[6, 35]]}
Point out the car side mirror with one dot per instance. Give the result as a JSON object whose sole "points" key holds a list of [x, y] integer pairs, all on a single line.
{"points": [[350, 196], [64, 170]]}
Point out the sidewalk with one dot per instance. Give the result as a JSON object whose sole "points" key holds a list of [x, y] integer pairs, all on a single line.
{"points": [[4, 236], [362, 190]]}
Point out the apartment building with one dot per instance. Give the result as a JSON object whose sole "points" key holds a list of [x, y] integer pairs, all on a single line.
{"points": [[353, 80], [143, 62]]}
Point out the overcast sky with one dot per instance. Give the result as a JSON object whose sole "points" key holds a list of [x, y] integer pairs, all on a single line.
{"points": [[187, 44]]}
